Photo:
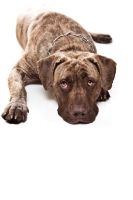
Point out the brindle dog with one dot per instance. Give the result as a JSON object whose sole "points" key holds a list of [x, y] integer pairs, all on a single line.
{"points": [[59, 53]]}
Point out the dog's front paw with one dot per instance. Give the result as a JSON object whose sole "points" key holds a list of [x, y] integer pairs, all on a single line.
{"points": [[15, 112], [104, 96]]}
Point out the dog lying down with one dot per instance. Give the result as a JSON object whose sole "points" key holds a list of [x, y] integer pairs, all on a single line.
{"points": [[59, 53]]}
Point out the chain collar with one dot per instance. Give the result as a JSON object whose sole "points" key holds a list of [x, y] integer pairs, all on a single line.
{"points": [[76, 35]]}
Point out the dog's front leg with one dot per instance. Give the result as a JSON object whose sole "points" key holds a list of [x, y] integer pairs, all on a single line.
{"points": [[104, 95], [16, 110]]}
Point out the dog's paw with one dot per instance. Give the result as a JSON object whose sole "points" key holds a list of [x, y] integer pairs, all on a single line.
{"points": [[15, 112], [104, 96]]}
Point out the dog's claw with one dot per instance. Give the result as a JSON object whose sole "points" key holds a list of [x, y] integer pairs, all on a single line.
{"points": [[4, 114], [23, 118]]}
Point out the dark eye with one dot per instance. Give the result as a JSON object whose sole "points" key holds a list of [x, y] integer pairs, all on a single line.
{"points": [[64, 84]]}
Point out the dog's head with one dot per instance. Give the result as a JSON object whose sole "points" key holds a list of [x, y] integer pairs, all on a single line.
{"points": [[77, 81]]}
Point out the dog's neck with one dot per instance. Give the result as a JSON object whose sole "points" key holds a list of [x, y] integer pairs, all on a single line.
{"points": [[71, 42]]}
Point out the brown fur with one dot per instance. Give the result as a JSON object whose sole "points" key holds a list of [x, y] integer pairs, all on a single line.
{"points": [[78, 75]]}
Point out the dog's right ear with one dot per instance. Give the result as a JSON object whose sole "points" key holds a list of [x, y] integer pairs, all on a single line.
{"points": [[46, 67]]}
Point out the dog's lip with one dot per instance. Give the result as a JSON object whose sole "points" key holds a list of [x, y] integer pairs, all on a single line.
{"points": [[82, 121], [79, 120]]}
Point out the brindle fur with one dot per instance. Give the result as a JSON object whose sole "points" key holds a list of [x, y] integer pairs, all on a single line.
{"points": [[71, 62]]}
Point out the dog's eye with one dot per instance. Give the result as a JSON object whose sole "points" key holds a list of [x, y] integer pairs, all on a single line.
{"points": [[64, 85], [90, 83]]}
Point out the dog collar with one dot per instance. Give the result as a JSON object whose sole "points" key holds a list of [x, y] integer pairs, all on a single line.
{"points": [[76, 35]]}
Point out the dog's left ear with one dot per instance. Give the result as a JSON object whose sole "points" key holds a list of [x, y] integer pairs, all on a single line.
{"points": [[46, 67], [107, 69]]}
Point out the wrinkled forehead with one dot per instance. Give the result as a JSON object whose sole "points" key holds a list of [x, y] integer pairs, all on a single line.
{"points": [[76, 69]]}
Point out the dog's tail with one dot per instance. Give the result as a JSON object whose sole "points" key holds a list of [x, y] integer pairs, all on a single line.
{"points": [[101, 38]]}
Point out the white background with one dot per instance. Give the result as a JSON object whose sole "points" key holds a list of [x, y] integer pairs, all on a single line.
{"points": [[47, 158]]}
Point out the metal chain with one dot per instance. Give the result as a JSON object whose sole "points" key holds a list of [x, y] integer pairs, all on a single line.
{"points": [[71, 33]]}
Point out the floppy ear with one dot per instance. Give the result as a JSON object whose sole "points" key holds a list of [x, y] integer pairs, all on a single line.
{"points": [[46, 67], [107, 69]]}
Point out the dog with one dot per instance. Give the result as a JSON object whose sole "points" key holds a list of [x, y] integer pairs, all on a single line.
{"points": [[59, 53]]}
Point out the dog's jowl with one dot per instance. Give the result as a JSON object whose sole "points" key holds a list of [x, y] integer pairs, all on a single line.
{"points": [[59, 53]]}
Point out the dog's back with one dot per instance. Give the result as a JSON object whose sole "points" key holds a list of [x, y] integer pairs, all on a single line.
{"points": [[23, 22]]}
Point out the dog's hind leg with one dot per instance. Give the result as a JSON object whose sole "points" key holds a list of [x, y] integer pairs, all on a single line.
{"points": [[101, 38]]}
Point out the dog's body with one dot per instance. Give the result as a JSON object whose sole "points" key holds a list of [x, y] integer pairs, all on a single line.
{"points": [[59, 53]]}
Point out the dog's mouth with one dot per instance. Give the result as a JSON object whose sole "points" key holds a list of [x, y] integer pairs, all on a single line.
{"points": [[78, 119]]}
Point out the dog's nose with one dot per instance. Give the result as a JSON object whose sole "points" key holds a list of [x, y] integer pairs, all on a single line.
{"points": [[79, 112]]}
